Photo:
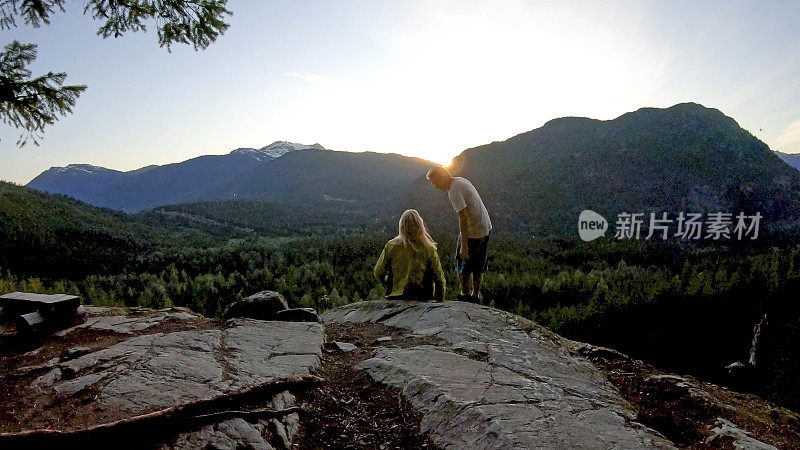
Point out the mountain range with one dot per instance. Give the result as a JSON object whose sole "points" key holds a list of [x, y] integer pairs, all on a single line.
{"points": [[685, 158], [151, 186]]}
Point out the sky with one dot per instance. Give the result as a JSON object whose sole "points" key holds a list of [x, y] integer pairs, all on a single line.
{"points": [[420, 78]]}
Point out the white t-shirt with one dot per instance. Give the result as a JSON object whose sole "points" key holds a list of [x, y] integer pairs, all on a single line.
{"points": [[462, 195]]}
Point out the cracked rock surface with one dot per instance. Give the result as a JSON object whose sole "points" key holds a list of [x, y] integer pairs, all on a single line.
{"points": [[504, 382], [156, 371], [127, 364], [106, 319]]}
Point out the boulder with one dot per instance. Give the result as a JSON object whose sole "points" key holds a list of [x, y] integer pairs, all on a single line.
{"points": [[155, 371], [298, 315], [261, 306]]}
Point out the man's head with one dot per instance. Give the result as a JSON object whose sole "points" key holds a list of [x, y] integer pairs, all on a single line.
{"points": [[440, 178]]}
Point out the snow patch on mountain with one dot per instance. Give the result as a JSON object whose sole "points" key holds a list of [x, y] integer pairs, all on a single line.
{"points": [[87, 168], [274, 150]]}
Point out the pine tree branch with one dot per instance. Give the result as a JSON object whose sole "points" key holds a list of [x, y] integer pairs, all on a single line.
{"points": [[34, 12], [32, 103]]}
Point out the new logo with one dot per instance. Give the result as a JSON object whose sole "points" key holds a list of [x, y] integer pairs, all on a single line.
{"points": [[591, 225]]}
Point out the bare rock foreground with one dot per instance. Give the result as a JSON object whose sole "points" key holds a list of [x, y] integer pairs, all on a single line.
{"points": [[399, 375], [152, 371]]}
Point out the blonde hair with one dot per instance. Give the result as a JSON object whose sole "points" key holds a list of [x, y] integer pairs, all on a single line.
{"points": [[411, 230]]}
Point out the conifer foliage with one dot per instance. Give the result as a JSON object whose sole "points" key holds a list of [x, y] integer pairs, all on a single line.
{"points": [[32, 103]]}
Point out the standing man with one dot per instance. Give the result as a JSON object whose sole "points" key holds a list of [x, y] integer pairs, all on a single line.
{"points": [[473, 224]]}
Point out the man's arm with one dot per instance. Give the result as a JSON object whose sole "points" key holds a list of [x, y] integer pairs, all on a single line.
{"points": [[463, 228]]}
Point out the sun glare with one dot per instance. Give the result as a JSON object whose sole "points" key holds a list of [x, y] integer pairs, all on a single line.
{"points": [[466, 75]]}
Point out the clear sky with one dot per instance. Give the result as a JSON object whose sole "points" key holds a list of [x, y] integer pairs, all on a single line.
{"points": [[421, 78]]}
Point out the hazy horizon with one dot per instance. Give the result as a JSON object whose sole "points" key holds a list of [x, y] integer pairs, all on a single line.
{"points": [[423, 79]]}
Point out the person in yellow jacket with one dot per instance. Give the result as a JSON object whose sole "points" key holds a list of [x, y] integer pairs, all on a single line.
{"points": [[409, 265]]}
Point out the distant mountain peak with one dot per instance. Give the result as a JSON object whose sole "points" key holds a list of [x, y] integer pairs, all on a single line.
{"points": [[274, 150], [296, 146], [87, 168]]}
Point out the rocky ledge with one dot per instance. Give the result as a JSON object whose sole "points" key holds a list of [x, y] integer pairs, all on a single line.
{"points": [[123, 370], [391, 375], [502, 382]]}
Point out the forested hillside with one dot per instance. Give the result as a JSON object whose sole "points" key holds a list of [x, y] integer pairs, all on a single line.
{"points": [[56, 236], [686, 158]]}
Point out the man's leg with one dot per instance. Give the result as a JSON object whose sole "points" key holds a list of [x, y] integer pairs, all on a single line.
{"points": [[464, 280], [464, 275], [476, 286], [477, 251]]}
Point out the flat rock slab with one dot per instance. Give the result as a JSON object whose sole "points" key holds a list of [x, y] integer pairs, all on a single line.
{"points": [[118, 320], [150, 372], [504, 383]]}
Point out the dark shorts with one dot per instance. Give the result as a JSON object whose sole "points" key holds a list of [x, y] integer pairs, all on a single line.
{"points": [[477, 256]]}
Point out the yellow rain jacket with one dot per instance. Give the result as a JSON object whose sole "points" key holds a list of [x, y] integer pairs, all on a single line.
{"points": [[408, 267]]}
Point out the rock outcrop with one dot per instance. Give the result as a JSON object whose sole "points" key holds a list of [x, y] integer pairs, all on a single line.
{"points": [[138, 365], [502, 383], [392, 374], [155, 371]]}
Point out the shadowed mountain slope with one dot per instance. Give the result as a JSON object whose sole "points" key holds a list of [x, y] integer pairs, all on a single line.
{"points": [[684, 158]]}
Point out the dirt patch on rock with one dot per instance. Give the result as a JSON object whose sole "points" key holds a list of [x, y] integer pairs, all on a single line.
{"points": [[351, 410]]}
